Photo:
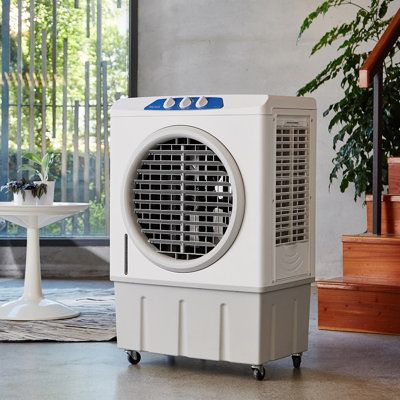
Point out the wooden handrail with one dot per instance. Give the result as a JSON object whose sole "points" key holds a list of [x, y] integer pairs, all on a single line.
{"points": [[372, 70], [380, 51]]}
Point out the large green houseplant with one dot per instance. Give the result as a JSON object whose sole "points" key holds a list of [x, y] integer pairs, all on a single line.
{"points": [[351, 116]]}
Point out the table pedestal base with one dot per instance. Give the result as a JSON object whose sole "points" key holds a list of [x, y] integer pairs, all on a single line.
{"points": [[41, 309], [32, 306]]}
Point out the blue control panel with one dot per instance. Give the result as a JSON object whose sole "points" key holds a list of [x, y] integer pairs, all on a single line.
{"points": [[212, 103]]}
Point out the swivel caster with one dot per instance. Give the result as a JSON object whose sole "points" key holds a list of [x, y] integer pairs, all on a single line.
{"points": [[258, 372], [133, 356], [296, 358]]}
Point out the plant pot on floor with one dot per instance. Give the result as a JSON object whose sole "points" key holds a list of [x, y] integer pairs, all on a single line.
{"points": [[24, 199], [47, 198]]}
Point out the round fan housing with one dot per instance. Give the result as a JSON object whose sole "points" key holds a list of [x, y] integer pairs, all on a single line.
{"points": [[183, 199]]}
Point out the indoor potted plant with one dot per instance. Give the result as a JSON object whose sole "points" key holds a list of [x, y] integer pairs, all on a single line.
{"points": [[25, 192], [40, 167], [351, 116]]}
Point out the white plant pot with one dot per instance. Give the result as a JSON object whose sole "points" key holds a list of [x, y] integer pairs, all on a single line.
{"points": [[28, 201], [48, 198]]}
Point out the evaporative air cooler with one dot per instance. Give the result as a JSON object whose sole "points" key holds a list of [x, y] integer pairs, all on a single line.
{"points": [[212, 226]]}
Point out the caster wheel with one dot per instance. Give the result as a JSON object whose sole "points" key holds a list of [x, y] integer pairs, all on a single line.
{"points": [[133, 357], [258, 372], [296, 358]]}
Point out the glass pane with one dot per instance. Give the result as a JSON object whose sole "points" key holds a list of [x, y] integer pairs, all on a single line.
{"points": [[63, 64]]}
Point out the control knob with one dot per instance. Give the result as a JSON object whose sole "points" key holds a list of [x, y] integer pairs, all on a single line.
{"points": [[185, 102], [169, 102], [201, 102]]}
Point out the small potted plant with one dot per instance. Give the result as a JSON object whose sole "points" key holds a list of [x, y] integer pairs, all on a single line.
{"points": [[40, 167], [25, 192]]}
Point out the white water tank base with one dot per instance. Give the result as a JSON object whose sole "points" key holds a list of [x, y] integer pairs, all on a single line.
{"points": [[241, 327]]}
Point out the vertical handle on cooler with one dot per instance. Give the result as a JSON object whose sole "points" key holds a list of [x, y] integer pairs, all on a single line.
{"points": [[126, 254]]}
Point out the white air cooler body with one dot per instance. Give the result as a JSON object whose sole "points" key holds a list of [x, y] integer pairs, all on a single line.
{"points": [[212, 225]]}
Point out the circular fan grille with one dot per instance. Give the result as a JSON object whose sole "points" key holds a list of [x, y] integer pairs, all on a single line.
{"points": [[182, 198]]}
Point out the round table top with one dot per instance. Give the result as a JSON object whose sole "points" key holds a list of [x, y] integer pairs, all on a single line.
{"points": [[9, 208]]}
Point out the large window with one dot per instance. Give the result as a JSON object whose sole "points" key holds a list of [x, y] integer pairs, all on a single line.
{"points": [[63, 63]]}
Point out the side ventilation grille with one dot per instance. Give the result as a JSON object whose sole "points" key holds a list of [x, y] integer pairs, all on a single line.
{"points": [[182, 198], [292, 181]]}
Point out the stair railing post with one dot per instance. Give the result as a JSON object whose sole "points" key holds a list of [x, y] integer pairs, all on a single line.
{"points": [[377, 151]]}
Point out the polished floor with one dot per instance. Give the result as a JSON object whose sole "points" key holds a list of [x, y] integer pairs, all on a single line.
{"points": [[337, 366]]}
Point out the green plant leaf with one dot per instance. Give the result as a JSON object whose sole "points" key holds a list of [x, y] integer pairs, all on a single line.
{"points": [[32, 157], [39, 190], [321, 10], [28, 168], [383, 10]]}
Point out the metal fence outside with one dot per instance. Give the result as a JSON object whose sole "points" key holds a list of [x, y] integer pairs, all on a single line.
{"points": [[62, 65]]}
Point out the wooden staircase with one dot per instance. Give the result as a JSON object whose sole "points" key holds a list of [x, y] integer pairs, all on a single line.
{"points": [[367, 298]]}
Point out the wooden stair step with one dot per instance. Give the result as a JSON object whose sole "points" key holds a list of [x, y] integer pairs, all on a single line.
{"points": [[372, 285], [372, 257], [390, 214], [394, 175], [359, 305]]}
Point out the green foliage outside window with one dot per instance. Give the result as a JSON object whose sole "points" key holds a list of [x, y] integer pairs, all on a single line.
{"points": [[72, 27]]}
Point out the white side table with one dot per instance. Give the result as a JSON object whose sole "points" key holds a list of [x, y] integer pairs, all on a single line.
{"points": [[32, 305]]}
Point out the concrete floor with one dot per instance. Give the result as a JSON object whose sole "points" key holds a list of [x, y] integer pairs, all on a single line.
{"points": [[337, 366]]}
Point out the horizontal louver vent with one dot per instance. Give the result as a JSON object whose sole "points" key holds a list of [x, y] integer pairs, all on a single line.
{"points": [[182, 198], [292, 182]]}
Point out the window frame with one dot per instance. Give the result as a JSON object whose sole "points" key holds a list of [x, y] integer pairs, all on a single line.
{"points": [[132, 92]]}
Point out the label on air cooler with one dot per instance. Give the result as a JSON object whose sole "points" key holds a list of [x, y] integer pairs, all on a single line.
{"points": [[212, 103]]}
